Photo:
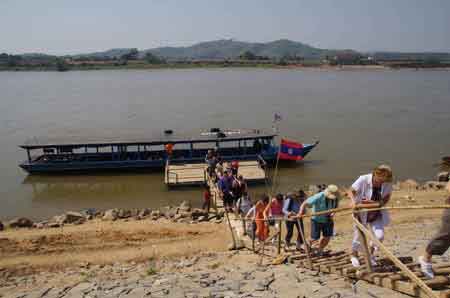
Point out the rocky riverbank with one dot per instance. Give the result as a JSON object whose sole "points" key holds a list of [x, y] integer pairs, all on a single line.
{"points": [[183, 213], [137, 254]]}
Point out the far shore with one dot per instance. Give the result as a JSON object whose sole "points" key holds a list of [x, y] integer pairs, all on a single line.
{"points": [[143, 66]]}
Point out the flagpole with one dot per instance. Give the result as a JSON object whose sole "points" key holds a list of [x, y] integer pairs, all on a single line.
{"points": [[276, 120], [275, 173]]}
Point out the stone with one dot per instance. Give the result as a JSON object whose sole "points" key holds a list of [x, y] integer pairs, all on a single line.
{"points": [[90, 213], [196, 213], [73, 217], [170, 213], [443, 177], [40, 225], [21, 222], [122, 213], [185, 206], [110, 214], [409, 184], [59, 219], [202, 218], [143, 213], [54, 225], [155, 214], [2, 227], [435, 185]]}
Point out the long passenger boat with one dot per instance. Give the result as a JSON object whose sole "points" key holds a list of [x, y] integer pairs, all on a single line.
{"points": [[87, 155]]}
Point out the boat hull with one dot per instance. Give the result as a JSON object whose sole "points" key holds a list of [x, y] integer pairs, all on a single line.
{"points": [[126, 165]]}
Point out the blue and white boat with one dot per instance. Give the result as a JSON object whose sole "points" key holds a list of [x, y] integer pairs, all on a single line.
{"points": [[47, 155]]}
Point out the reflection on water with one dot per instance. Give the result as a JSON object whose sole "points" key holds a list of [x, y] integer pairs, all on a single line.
{"points": [[105, 191]]}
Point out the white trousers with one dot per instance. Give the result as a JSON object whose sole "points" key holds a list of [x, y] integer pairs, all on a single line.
{"points": [[376, 227]]}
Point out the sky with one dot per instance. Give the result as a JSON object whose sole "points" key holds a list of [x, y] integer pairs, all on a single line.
{"points": [[82, 26]]}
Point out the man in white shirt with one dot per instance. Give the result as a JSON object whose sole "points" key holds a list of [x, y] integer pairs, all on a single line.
{"points": [[374, 188]]}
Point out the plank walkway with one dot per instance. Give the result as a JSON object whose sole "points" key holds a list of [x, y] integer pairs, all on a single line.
{"points": [[385, 274], [195, 173]]}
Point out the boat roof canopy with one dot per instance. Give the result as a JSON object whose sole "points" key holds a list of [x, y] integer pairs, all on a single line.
{"points": [[203, 137]]}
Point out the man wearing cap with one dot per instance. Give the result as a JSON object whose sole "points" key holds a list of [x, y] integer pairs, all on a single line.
{"points": [[322, 224]]}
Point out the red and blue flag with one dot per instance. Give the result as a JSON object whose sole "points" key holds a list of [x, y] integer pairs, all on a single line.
{"points": [[290, 150]]}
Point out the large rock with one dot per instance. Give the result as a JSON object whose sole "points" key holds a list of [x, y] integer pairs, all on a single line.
{"points": [[196, 213], [73, 217], [21, 222], [90, 213], [443, 177], [156, 214], [409, 184], [111, 214], [143, 213], [185, 206], [171, 213], [122, 213], [2, 227]]}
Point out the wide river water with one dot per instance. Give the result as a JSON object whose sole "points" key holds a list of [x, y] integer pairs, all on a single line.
{"points": [[362, 118]]}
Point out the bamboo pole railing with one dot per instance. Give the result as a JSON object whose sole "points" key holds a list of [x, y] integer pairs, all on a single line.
{"points": [[363, 230]]}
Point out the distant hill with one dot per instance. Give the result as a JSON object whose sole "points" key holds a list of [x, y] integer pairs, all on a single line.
{"points": [[228, 48], [110, 54], [225, 49]]}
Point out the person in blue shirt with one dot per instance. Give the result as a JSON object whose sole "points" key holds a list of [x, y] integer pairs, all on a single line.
{"points": [[224, 185], [291, 207], [322, 224]]}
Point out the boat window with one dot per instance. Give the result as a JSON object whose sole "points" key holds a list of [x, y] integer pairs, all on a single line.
{"points": [[106, 149], [231, 144], [78, 150], [211, 145]]}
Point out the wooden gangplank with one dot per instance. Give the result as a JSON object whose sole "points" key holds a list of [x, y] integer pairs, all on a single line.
{"points": [[185, 174], [195, 173], [386, 274]]}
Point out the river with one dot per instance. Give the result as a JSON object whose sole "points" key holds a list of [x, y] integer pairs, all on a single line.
{"points": [[362, 118]]}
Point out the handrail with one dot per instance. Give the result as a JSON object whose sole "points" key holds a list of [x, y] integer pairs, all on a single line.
{"points": [[363, 230]]}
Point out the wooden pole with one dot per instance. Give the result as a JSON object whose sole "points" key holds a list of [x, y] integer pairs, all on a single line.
{"points": [[396, 261], [307, 248], [231, 229], [253, 235], [365, 247], [279, 236], [275, 173]]}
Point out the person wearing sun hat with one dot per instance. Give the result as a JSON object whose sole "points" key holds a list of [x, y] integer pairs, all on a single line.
{"points": [[322, 224], [371, 189]]}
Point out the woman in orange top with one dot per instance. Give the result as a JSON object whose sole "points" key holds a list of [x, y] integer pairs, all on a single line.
{"points": [[169, 149], [262, 227]]}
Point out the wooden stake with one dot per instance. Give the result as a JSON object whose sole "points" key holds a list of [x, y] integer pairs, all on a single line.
{"points": [[365, 247], [231, 229], [396, 261], [279, 236], [307, 248]]}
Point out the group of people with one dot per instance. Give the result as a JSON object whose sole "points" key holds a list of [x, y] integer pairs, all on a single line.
{"points": [[232, 186], [290, 208], [372, 190]]}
